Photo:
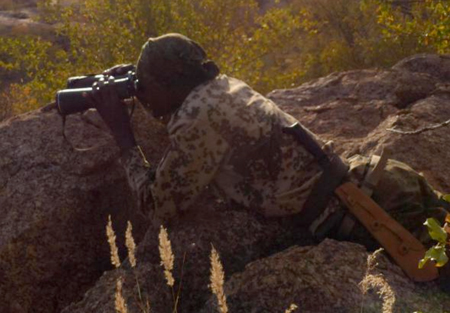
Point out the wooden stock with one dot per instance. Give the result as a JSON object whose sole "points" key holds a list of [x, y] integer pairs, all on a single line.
{"points": [[401, 245]]}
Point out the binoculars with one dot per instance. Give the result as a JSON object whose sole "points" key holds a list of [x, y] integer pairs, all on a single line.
{"points": [[71, 100]]}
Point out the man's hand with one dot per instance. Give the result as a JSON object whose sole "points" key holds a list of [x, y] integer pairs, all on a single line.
{"points": [[113, 111]]}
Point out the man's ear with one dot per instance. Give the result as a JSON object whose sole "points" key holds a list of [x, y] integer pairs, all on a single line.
{"points": [[211, 69]]}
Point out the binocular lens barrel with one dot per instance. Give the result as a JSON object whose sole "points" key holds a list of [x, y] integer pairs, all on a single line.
{"points": [[70, 101]]}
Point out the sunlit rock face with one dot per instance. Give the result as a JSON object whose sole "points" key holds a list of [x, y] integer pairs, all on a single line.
{"points": [[330, 277], [356, 109]]}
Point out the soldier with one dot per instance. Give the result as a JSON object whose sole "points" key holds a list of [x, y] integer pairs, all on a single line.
{"points": [[224, 134]]}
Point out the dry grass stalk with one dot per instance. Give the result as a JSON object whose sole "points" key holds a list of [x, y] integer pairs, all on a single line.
{"points": [[148, 307], [167, 257], [131, 245], [291, 308], [217, 279], [144, 307], [120, 305], [131, 248], [378, 282], [115, 260], [384, 290]]}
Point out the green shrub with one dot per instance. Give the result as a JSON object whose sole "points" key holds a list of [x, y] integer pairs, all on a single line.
{"points": [[245, 43], [426, 23], [278, 48]]}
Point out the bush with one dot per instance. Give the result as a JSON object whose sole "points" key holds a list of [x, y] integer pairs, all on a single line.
{"points": [[278, 48], [345, 35], [245, 43], [426, 23]]}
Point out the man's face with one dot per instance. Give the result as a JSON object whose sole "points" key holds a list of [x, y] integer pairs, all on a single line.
{"points": [[154, 97]]}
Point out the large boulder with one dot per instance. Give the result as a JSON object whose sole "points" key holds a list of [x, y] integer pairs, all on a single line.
{"points": [[54, 204], [357, 109], [239, 236], [330, 277]]}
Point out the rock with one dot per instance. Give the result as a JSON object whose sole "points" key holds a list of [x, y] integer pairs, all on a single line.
{"points": [[330, 277], [54, 205], [356, 109], [437, 66], [239, 236]]}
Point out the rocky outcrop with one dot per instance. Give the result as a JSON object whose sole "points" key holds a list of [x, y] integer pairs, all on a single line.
{"points": [[240, 237], [356, 109], [330, 277], [55, 203]]}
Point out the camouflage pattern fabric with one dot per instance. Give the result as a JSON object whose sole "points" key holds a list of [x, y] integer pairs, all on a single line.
{"points": [[166, 56], [403, 193], [227, 135], [140, 175]]}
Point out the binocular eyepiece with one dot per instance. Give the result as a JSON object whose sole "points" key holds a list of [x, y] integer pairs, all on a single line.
{"points": [[71, 100]]}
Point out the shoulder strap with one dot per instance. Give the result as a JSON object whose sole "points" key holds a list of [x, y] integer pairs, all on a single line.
{"points": [[334, 171], [69, 143]]}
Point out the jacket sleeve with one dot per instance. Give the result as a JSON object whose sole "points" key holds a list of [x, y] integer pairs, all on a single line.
{"points": [[195, 154], [140, 176]]}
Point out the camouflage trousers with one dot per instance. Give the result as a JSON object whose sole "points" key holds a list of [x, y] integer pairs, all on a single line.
{"points": [[403, 193]]}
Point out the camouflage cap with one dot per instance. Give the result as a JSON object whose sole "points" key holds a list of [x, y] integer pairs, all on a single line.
{"points": [[167, 56]]}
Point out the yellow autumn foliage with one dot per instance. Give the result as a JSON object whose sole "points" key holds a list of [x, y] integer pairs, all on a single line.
{"points": [[280, 47]]}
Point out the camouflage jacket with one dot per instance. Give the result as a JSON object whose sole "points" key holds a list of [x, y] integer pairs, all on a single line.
{"points": [[227, 135]]}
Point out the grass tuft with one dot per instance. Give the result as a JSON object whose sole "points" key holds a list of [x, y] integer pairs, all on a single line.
{"points": [[167, 257], [119, 303], [217, 279], [130, 244], [378, 281], [217, 275], [115, 260], [291, 308]]}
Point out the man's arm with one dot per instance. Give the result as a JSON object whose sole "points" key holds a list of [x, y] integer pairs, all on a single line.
{"points": [[189, 164], [195, 154], [140, 176]]}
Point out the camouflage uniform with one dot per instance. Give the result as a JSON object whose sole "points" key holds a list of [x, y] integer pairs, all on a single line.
{"points": [[227, 135]]}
